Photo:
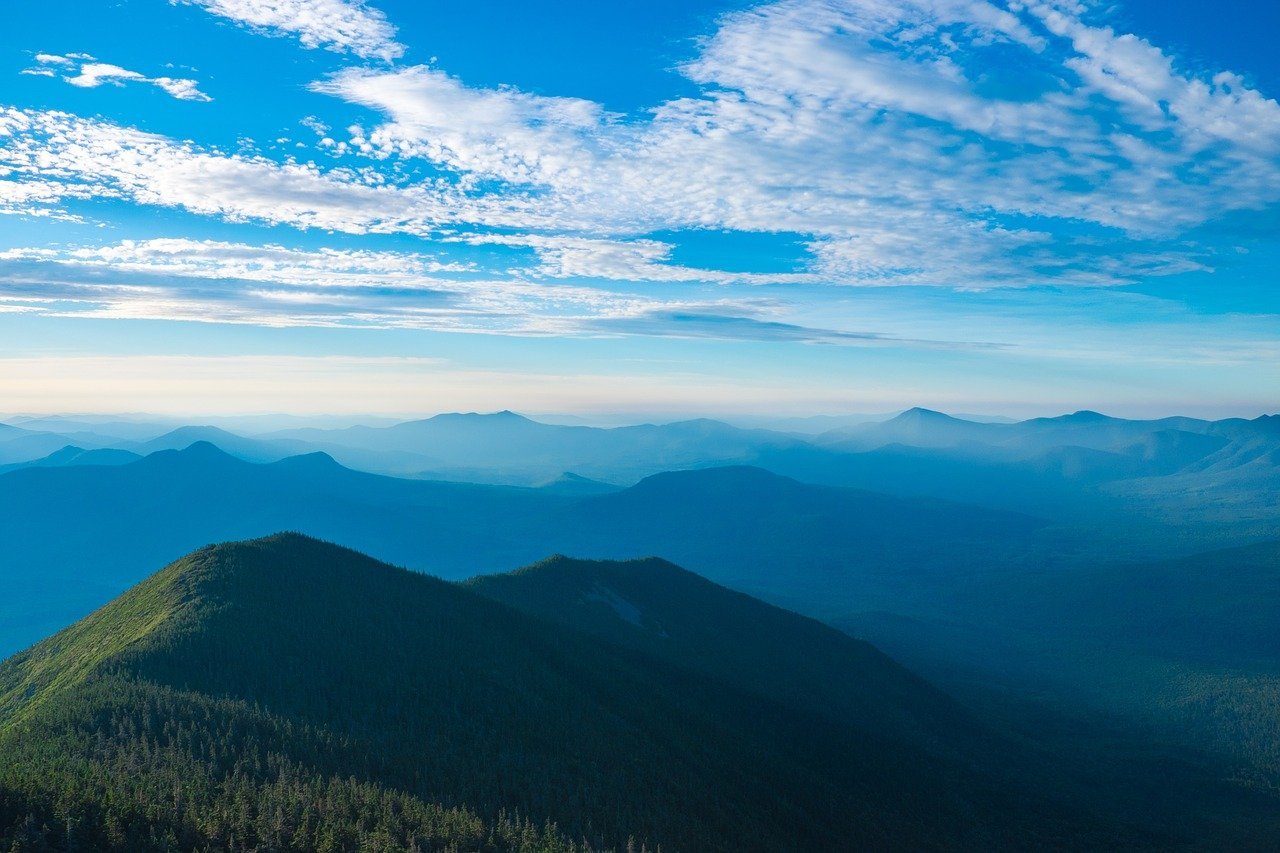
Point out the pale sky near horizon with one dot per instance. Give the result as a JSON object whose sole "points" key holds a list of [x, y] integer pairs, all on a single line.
{"points": [[674, 208]]}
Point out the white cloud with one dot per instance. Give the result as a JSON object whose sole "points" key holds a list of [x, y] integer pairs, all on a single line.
{"points": [[500, 133], [272, 285], [622, 260], [93, 74], [883, 132], [58, 59], [214, 259], [871, 126], [181, 88], [344, 26], [96, 73], [72, 157], [213, 281]]}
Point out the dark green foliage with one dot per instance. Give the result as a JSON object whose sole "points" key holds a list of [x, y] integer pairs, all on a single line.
{"points": [[1189, 647], [155, 769], [107, 743], [288, 694], [658, 608], [1218, 607], [1176, 796]]}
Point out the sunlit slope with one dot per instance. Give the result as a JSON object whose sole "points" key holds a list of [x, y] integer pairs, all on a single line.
{"points": [[286, 692]]}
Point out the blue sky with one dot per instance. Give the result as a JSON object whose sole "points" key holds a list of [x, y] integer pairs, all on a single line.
{"points": [[662, 208]]}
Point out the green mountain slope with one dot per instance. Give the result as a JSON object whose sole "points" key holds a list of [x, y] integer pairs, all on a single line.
{"points": [[290, 694], [662, 610]]}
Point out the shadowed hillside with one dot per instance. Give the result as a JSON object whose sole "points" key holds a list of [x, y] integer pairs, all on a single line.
{"points": [[660, 609], [290, 694]]}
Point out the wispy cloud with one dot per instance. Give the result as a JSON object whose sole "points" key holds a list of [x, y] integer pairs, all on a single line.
{"points": [[72, 157], [704, 322], [344, 26], [92, 74], [492, 133], [892, 135], [218, 259], [272, 285], [563, 256], [878, 129]]}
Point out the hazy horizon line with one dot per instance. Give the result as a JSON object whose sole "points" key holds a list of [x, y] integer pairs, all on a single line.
{"points": [[623, 418]]}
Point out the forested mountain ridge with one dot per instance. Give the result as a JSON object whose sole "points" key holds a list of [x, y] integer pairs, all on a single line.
{"points": [[1193, 787], [665, 611], [289, 694]]}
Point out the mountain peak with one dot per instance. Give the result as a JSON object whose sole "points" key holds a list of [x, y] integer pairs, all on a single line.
{"points": [[1269, 422], [656, 606], [919, 414], [1085, 416], [504, 415], [63, 455], [203, 432], [569, 483], [701, 423], [562, 563], [236, 643], [317, 461], [202, 451]]}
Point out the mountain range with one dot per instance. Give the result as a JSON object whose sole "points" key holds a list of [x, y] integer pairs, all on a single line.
{"points": [[76, 536], [1099, 592], [1218, 476], [286, 693]]}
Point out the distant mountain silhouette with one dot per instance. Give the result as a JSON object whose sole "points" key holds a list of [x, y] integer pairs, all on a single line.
{"points": [[515, 449], [916, 427], [19, 445], [77, 536], [71, 455], [570, 483], [790, 541], [139, 428], [249, 449], [1077, 468]]}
